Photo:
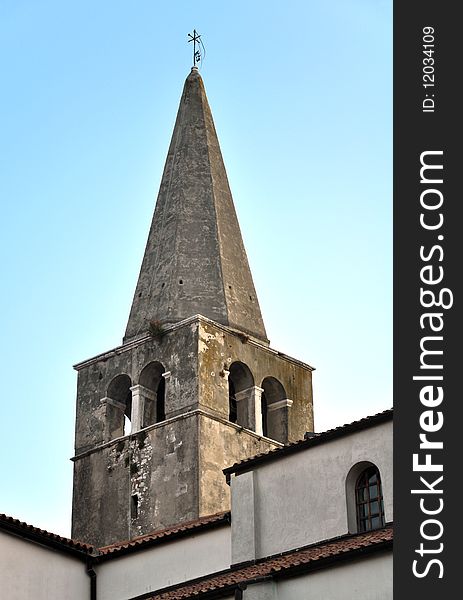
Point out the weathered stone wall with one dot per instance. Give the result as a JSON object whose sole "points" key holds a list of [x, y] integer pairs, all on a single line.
{"points": [[219, 348], [159, 465], [172, 470], [177, 351], [195, 261], [220, 446]]}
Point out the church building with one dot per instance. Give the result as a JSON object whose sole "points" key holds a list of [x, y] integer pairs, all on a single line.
{"points": [[197, 471]]}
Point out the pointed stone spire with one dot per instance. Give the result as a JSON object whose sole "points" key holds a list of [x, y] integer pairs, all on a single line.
{"points": [[195, 261]]}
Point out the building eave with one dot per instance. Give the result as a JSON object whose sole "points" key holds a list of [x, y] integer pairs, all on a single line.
{"points": [[45, 538], [315, 440], [288, 564]]}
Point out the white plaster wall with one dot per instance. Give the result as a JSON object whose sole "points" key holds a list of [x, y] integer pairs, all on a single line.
{"points": [[163, 565], [28, 570], [243, 524], [365, 579], [301, 498]]}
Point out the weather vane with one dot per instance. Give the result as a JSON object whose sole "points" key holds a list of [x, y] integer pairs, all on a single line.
{"points": [[199, 52]]}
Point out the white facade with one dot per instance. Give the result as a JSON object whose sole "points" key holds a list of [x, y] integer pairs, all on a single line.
{"points": [[301, 498], [164, 565], [366, 579], [29, 570]]}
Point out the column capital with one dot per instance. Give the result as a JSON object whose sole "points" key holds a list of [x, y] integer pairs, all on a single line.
{"points": [[244, 394], [144, 391], [280, 404], [112, 402]]}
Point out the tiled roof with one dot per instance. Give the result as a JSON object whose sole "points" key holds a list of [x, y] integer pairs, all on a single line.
{"points": [[76, 547], [313, 440], [41, 536], [287, 564], [166, 534]]}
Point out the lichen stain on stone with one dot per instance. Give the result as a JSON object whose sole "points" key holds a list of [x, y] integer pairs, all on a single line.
{"points": [[181, 489], [205, 339], [174, 360], [100, 412], [203, 344]]}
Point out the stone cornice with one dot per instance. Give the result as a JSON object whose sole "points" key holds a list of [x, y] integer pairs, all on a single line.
{"points": [[132, 344], [187, 415]]}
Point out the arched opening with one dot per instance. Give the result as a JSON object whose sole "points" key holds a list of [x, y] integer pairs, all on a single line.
{"points": [[151, 393], [232, 405], [241, 391], [274, 410], [365, 505], [161, 401], [119, 400], [127, 425]]}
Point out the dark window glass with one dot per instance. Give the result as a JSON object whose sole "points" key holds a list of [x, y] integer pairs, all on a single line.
{"points": [[362, 495], [369, 500], [373, 490]]}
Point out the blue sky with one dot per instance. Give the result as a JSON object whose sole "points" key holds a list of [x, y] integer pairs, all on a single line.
{"points": [[301, 94]]}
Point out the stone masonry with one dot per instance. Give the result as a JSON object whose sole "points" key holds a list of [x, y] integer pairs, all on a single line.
{"points": [[195, 387]]}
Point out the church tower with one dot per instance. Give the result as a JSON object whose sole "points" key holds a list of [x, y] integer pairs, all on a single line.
{"points": [[195, 386]]}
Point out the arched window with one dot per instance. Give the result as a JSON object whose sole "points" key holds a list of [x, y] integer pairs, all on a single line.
{"points": [[151, 394], [275, 410], [119, 399], [241, 395], [369, 500]]}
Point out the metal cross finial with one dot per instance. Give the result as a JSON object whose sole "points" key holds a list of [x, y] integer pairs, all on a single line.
{"points": [[198, 47]]}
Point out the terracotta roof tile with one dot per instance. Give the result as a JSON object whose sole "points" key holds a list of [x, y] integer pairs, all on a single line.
{"points": [[284, 563], [41, 535], [170, 532], [314, 440]]}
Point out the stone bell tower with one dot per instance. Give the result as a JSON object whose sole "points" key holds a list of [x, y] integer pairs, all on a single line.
{"points": [[194, 387]]}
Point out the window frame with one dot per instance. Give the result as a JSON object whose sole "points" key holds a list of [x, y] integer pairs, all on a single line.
{"points": [[367, 518]]}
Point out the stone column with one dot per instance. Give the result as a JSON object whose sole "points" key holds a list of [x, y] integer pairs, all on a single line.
{"points": [[249, 408], [140, 396], [278, 420], [166, 376], [286, 403]]}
